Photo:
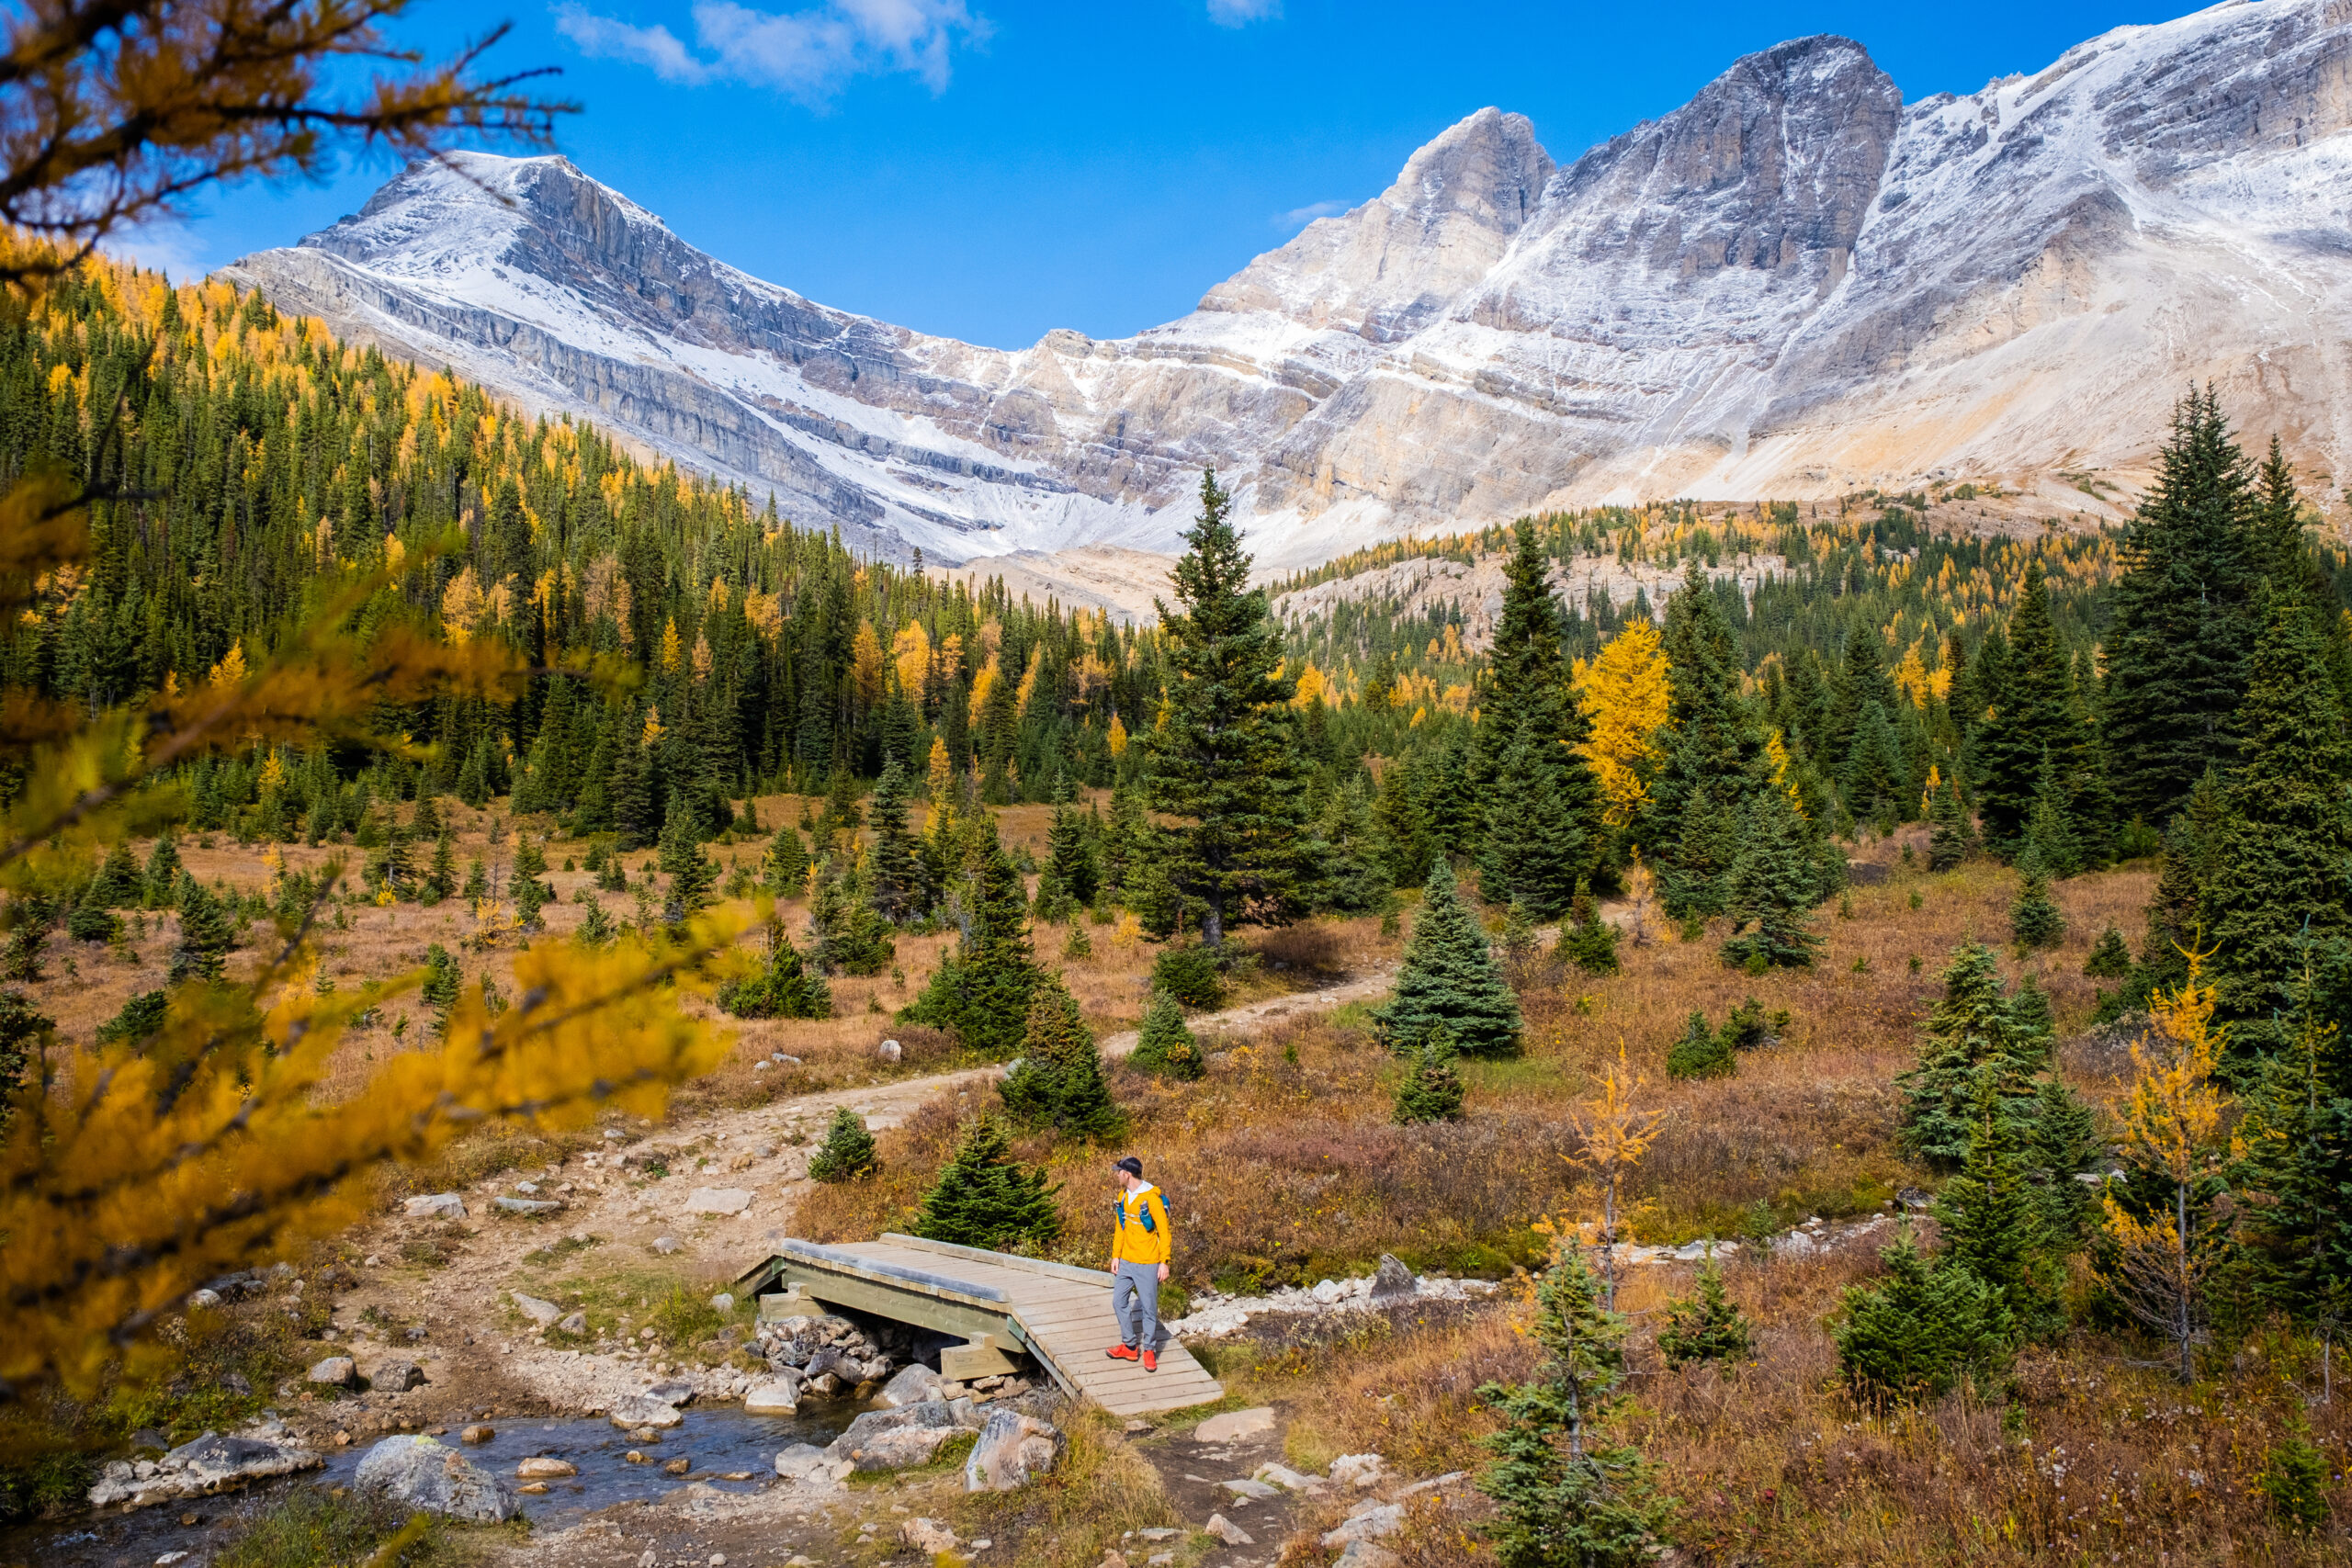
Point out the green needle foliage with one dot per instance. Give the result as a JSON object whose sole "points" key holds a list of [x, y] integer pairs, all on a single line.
{"points": [[1974, 1032], [1432, 1090], [985, 1198], [1450, 979], [1701, 1053], [2294, 1478], [206, 934], [1589, 942], [1165, 1045], [847, 1152], [982, 990], [1992, 1217], [1915, 1334], [1773, 886], [1948, 829], [1706, 1326], [2109, 958], [1569, 1498], [1058, 1080], [784, 987], [2034, 919]]}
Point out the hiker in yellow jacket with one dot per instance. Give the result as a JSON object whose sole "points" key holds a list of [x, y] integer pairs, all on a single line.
{"points": [[1141, 1246]]}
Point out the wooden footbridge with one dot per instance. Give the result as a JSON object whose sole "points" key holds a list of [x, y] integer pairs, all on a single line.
{"points": [[1003, 1306]]}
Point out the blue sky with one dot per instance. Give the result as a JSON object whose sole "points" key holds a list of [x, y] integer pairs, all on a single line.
{"points": [[989, 169]]}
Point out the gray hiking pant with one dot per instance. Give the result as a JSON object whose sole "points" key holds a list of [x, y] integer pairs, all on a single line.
{"points": [[1139, 1282]]}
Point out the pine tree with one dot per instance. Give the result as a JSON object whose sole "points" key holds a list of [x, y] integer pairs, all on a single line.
{"points": [[1567, 1497], [1532, 849], [119, 884], [982, 991], [2033, 724], [1057, 1081], [786, 864], [985, 1198], [1992, 1220], [206, 934], [2049, 834], [441, 878], [1432, 1090], [847, 1152], [783, 989], [1070, 879], [894, 868], [1589, 942], [1222, 759], [2035, 920], [1706, 1326], [1948, 833], [1772, 890], [443, 982], [2277, 892], [2183, 631], [164, 872], [2062, 1143], [1916, 1332], [1164, 1045], [690, 871], [847, 933], [1973, 1032], [2109, 958], [1717, 757], [1449, 979], [1701, 1053], [631, 792]]}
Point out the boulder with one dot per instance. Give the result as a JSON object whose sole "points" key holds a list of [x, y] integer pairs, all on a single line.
{"points": [[633, 1411], [435, 1206], [396, 1377], [1252, 1489], [543, 1468], [895, 1440], [723, 1303], [1235, 1425], [778, 1395], [1357, 1470], [890, 1050], [526, 1206], [1371, 1521], [576, 1323], [1012, 1451], [1328, 1292], [418, 1473], [665, 1244], [1226, 1531], [209, 1463], [672, 1391], [1364, 1554], [718, 1201], [1392, 1280], [928, 1536], [912, 1386], [477, 1434], [810, 1464], [1287, 1478], [335, 1372], [543, 1313]]}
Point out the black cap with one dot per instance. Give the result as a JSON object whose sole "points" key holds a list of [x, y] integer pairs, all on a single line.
{"points": [[1130, 1163]]}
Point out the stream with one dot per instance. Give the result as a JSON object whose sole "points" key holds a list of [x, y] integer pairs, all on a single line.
{"points": [[720, 1442]]}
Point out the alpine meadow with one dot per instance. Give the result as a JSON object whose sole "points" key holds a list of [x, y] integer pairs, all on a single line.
{"points": [[570, 997]]}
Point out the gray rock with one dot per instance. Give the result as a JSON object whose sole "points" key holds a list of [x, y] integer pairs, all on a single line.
{"points": [[1357, 1470], [396, 1377], [1392, 1280], [672, 1391], [1226, 1531], [418, 1473], [911, 1386], [633, 1411], [811, 1465], [1235, 1425], [543, 1313], [204, 1299], [576, 1323], [1371, 1521], [527, 1205], [336, 1371], [778, 1395], [890, 1050], [665, 1244], [1253, 1489], [1012, 1451], [722, 1303], [718, 1201], [435, 1206], [893, 1439], [1364, 1554], [210, 1463]]}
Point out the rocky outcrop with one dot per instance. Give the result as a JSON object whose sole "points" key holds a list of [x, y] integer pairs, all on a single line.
{"points": [[417, 1473], [1793, 284], [209, 1463]]}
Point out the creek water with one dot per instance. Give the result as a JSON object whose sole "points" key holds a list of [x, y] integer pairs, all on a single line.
{"points": [[718, 1442]]}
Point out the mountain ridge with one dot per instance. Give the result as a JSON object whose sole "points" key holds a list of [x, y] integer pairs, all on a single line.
{"points": [[1794, 285]]}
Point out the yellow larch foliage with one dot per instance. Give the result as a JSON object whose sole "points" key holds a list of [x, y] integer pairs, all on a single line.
{"points": [[939, 774], [701, 659], [910, 656], [1777, 749], [673, 652], [1029, 678], [1118, 737], [231, 670], [983, 683], [273, 774], [651, 734], [765, 612], [1624, 690], [865, 664], [1312, 687]]}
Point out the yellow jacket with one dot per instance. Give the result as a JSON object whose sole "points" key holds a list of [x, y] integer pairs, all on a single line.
{"points": [[1142, 1235]]}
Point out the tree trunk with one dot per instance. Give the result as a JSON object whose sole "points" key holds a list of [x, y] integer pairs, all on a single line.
{"points": [[1213, 920]]}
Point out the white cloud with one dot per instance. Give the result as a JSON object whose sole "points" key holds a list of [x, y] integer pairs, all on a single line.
{"points": [[807, 53], [163, 245], [1241, 13], [1300, 217]]}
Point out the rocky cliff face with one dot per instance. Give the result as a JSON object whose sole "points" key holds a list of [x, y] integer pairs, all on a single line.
{"points": [[1791, 285]]}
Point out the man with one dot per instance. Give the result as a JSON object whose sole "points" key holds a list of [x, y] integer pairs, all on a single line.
{"points": [[1140, 1252]]}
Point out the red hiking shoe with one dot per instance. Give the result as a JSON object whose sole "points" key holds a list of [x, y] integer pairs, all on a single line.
{"points": [[1123, 1352], [1150, 1361]]}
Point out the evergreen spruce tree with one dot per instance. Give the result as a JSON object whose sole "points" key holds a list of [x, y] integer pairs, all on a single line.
{"points": [[1701, 1053], [1972, 1032], [1569, 1497], [1773, 886], [1706, 1326], [2048, 833], [982, 991], [894, 865], [2035, 919], [120, 883], [443, 982], [441, 878], [2278, 891], [783, 989], [1069, 880], [1991, 1218], [2061, 1143], [786, 864], [1716, 758], [985, 1198], [631, 792], [1164, 1045], [1349, 859], [1058, 1080], [1532, 849], [1430, 1090], [1449, 979], [689, 870], [2184, 627], [1948, 832], [1221, 759], [1589, 942], [2109, 958], [164, 872], [206, 934], [2032, 723], [847, 933], [847, 1152], [1916, 1332]]}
